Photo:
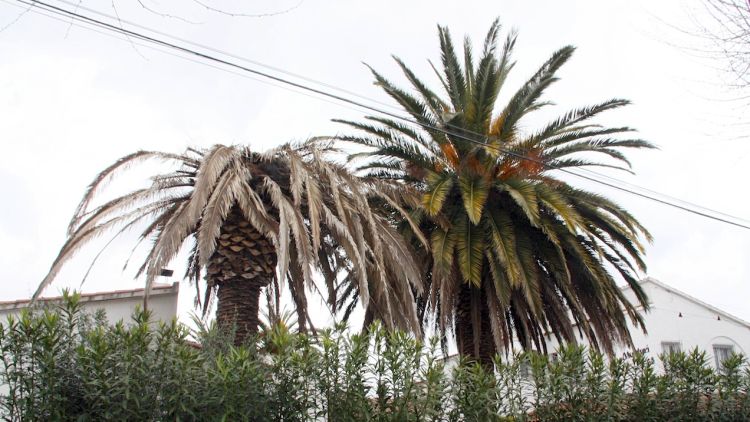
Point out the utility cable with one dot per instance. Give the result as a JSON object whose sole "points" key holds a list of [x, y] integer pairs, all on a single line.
{"points": [[380, 111], [231, 55], [671, 198], [127, 32], [352, 93], [47, 14]]}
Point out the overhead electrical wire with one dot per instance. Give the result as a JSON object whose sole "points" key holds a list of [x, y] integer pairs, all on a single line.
{"points": [[231, 55], [186, 58], [340, 98], [349, 92]]}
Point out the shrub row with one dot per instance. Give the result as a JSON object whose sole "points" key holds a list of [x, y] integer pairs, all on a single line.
{"points": [[64, 364]]}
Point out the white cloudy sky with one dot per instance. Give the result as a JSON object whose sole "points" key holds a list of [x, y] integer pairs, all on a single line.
{"points": [[72, 101]]}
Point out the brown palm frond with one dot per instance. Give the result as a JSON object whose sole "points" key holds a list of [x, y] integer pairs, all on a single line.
{"points": [[294, 196]]}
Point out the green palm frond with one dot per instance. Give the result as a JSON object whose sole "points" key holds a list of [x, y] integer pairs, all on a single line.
{"points": [[566, 163], [453, 73], [468, 67], [525, 196], [410, 132], [442, 245], [416, 108], [578, 133], [439, 186], [564, 123], [474, 192], [606, 146], [469, 243], [501, 229], [527, 98], [435, 104], [486, 84]]}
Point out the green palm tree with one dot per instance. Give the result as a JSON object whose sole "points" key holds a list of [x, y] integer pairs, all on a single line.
{"points": [[516, 251], [250, 217]]}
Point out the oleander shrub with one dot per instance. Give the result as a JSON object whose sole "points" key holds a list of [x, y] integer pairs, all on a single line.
{"points": [[63, 364]]}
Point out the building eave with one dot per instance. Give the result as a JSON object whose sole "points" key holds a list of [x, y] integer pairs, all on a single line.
{"points": [[689, 298], [156, 290]]}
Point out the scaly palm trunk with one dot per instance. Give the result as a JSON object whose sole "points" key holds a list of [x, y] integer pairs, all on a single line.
{"points": [[483, 349], [242, 265]]}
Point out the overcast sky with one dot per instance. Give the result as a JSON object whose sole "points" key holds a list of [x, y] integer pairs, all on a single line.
{"points": [[72, 101]]}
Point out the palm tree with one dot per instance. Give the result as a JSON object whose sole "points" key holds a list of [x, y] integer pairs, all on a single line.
{"points": [[516, 250], [252, 216]]}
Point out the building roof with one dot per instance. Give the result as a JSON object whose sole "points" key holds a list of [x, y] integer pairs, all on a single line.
{"points": [[689, 298], [156, 290]]}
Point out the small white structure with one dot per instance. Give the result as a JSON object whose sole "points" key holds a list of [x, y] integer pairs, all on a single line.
{"points": [[677, 321], [118, 304]]}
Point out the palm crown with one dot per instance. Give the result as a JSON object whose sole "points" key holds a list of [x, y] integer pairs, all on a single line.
{"points": [[252, 216], [515, 250]]}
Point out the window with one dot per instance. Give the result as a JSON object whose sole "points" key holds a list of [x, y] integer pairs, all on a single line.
{"points": [[671, 347], [722, 353]]}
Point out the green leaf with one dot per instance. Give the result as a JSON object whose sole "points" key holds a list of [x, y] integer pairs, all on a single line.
{"points": [[524, 194], [559, 205], [474, 191], [470, 247], [442, 244], [434, 198], [500, 227]]}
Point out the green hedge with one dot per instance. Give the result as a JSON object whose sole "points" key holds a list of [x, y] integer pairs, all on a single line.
{"points": [[63, 364]]}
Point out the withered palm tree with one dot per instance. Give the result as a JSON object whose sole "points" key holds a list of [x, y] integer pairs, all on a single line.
{"points": [[517, 253], [252, 216]]}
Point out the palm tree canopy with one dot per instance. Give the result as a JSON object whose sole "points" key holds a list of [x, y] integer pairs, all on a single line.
{"points": [[536, 251], [307, 206]]}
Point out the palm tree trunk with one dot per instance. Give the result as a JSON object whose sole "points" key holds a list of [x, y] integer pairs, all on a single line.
{"points": [[243, 264], [238, 308], [368, 320], [473, 333]]}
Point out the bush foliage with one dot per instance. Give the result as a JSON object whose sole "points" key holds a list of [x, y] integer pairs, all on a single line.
{"points": [[65, 364]]}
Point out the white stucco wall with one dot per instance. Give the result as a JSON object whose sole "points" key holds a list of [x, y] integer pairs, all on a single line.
{"points": [[119, 304], [677, 317]]}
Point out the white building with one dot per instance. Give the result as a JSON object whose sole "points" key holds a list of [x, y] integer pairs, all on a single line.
{"points": [[118, 304], [677, 321]]}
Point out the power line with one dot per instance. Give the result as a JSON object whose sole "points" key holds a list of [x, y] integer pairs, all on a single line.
{"points": [[231, 55], [672, 198], [91, 21], [352, 93], [127, 32], [47, 14], [51, 15]]}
